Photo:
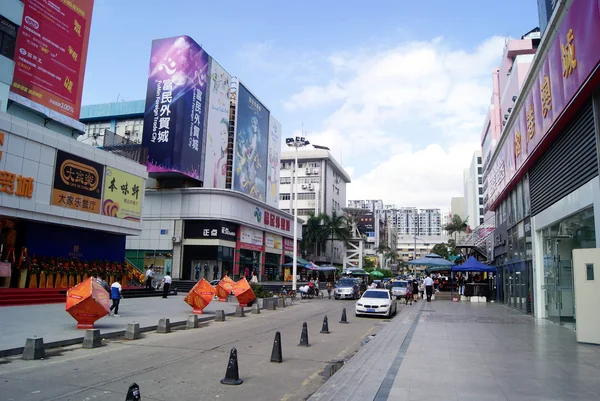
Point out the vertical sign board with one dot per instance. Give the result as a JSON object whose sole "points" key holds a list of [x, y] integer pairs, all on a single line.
{"points": [[77, 183], [175, 107], [122, 195], [217, 127], [51, 51], [251, 145], [273, 162]]}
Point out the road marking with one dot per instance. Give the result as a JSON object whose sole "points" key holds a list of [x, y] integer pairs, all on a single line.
{"points": [[310, 378]]}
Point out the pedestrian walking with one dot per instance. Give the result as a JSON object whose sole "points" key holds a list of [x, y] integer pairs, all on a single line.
{"points": [[415, 290], [428, 287], [329, 288], [149, 277], [166, 282], [115, 295], [197, 276], [254, 278]]}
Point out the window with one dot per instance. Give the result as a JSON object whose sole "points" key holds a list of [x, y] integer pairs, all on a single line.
{"points": [[306, 196], [479, 170], [479, 160], [481, 211], [8, 38], [285, 180], [481, 220], [479, 180], [284, 196], [480, 191], [481, 201]]}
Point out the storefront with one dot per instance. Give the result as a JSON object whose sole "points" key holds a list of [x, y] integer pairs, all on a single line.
{"points": [[273, 257]]}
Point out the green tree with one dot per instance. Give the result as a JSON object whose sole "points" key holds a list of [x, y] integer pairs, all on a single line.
{"points": [[368, 264], [456, 225], [392, 256], [441, 249], [314, 235], [337, 229]]}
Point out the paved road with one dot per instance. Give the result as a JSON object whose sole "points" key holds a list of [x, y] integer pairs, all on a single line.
{"points": [[188, 364]]}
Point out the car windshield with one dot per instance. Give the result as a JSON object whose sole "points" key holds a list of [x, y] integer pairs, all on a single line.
{"points": [[377, 294], [401, 284], [346, 283]]}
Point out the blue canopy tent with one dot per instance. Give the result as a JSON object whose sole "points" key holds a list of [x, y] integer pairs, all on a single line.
{"points": [[472, 265]]}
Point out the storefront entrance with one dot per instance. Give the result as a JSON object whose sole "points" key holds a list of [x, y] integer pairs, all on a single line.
{"points": [[559, 240]]}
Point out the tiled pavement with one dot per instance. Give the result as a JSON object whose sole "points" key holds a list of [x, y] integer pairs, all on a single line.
{"points": [[473, 351]]}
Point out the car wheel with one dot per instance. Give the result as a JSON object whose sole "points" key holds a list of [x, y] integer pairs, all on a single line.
{"points": [[389, 314]]}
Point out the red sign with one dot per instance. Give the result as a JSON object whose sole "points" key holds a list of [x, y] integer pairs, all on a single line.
{"points": [[50, 54], [275, 221], [288, 244], [252, 247]]}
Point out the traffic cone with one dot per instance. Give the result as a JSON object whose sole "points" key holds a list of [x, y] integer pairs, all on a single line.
{"points": [[232, 376], [276, 353], [304, 336], [344, 319], [133, 394], [325, 328]]}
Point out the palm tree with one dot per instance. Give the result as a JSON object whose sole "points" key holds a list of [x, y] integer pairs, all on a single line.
{"points": [[382, 250], [314, 234], [336, 227], [392, 255], [457, 225]]}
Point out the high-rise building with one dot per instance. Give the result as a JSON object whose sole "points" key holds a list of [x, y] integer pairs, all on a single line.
{"points": [[371, 205], [458, 207], [321, 189], [473, 191]]}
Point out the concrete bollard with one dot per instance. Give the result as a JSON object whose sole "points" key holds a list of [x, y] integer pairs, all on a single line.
{"points": [[164, 325], [255, 309], [271, 305], [219, 316], [281, 302], [34, 349], [239, 311], [192, 322], [92, 339], [133, 332]]}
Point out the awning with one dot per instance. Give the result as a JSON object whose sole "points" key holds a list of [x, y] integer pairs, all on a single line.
{"points": [[300, 262]]}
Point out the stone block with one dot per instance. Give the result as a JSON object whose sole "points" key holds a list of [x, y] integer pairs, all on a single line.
{"points": [[133, 331], [239, 311], [255, 309], [219, 316], [192, 322], [164, 325], [272, 305], [34, 349], [281, 302], [92, 339]]}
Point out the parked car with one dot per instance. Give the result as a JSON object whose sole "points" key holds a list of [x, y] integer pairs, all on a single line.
{"points": [[376, 302], [399, 288], [347, 288], [214, 282]]}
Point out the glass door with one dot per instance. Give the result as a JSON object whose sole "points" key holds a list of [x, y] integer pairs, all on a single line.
{"points": [[551, 273], [558, 279]]}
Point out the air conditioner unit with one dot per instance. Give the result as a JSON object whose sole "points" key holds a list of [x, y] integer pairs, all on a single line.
{"points": [[308, 171], [176, 240], [316, 171], [304, 186]]}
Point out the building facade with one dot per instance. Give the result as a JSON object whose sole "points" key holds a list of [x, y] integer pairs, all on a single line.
{"points": [[321, 189], [543, 177], [458, 207], [473, 191]]}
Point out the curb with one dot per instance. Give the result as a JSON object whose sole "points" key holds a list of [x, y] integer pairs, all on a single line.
{"points": [[113, 334]]}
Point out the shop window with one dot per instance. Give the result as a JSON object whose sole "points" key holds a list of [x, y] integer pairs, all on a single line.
{"points": [[8, 38], [519, 199]]}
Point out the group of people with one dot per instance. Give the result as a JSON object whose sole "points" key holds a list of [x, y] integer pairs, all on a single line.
{"points": [[165, 282]]}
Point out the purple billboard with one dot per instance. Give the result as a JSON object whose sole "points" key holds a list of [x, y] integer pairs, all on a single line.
{"points": [[175, 107], [571, 58]]}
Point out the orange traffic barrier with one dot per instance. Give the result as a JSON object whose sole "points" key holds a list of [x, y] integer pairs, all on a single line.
{"points": [[200, 296], [87, 302], [243, 292], [224, 288]]}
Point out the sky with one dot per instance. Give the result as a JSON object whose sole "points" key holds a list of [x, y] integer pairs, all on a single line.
{"points": [[397, 89]]}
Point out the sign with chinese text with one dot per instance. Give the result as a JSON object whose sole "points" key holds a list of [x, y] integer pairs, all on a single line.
{"points": [[275, 221], [250, 235], [288, 244], [251, 145], [50, 56], [77, 183], [175, 107], [570, 59], [214, 229], [273, 241], [217, 127], [122, 195], [8, 180]]}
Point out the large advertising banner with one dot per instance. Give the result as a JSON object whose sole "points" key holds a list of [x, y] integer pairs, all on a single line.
{"points": [[217, 127], [50, 56], [122, 195], [175, 107], [273, 169], [251, 145], [77, 183]]}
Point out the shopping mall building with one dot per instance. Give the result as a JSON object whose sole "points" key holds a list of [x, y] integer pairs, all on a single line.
{"points": [[542, 178]]}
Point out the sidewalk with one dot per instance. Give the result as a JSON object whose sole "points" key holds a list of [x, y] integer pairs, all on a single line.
{"points": [[54, 324], [468, 351]]}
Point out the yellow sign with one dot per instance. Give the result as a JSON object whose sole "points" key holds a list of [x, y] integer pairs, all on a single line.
{"points": [[7, 180], [546, 95], [517, 143], [122, 195], [568, 55]]}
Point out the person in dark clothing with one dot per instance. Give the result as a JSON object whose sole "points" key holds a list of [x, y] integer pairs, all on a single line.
{"points": [[415, 290]]}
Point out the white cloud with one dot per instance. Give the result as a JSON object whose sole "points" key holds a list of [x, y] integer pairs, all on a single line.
{"points": [[407, 118]]}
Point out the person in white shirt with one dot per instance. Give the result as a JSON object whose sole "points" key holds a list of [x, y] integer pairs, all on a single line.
{"points": [[166, 281], [149, 276], [428, 282]]}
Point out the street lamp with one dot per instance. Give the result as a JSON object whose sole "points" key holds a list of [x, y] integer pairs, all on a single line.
{"points": [[297, 142]]}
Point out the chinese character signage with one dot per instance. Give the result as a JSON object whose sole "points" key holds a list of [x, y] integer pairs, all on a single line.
{"points": [[571, 57], [273, 162], [122, 195], [275, 221], [50, 57], [288, 244], [251, 236], [273, 241], [251, 145], [14, 184], [217, 127], [77, 183], [210, 229], [175, 107]]}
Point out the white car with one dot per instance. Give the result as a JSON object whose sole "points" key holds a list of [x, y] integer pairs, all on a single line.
{"points": [[376, 302]]}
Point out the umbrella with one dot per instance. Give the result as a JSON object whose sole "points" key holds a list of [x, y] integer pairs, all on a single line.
{"points": [[431, 260], [376, 273]]}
